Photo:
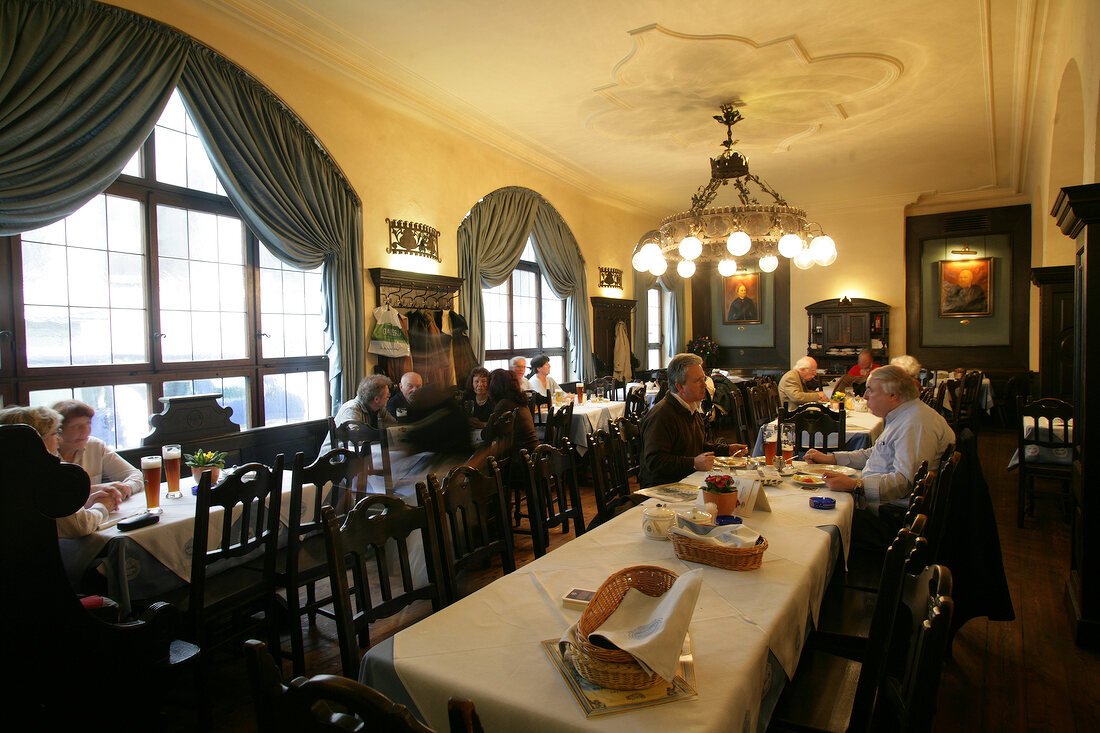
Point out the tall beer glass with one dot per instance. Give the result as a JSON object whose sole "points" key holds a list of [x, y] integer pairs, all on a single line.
{"points": [[150, 468], [171, 455]]}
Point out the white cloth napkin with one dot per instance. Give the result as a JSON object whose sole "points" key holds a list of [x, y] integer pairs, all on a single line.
{"points": [[736, 535], [652, 629]]}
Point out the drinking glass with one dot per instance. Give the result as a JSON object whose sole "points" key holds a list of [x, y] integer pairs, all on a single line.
{"points": [[150, 469], [787, 430], [171, 455], [769, 443]]}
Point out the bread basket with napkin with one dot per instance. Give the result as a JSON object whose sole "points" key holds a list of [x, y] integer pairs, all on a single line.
{"points": [[630, 635]]}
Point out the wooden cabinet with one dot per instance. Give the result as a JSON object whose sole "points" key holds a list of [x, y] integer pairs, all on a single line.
{"points": [[606, 314], [839, 330]]}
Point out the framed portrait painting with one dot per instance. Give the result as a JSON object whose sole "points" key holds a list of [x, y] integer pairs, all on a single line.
{"points": [[966, 288], [741, 298]]}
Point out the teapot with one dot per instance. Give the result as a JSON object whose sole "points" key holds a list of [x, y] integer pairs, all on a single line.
{"points": [[656, 521]]}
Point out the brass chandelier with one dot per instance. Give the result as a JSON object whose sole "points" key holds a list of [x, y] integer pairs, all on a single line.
{"points": [[750, 230]]}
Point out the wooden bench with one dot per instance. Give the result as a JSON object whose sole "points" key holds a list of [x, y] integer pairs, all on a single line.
{"points": [[199, 422]]}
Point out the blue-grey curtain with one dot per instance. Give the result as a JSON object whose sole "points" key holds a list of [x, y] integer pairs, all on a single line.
{"points": [[490, 242], [289, 192], [563, 266], [81, 87]]}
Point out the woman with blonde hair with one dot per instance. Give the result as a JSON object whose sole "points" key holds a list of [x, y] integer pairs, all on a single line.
{"points": [[79, 446], [100, 503]]}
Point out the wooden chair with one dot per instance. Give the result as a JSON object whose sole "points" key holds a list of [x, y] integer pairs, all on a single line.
{"points": [[222, 602], [601, 386], [558, 428], [1007, 406], [761, 408], [303, 562], [739, 419], [1050, 431], [360, 438], [329, 703], [607, 459], [470, 521], [363, 540], [553, 497], [939, 497], [771, 389], [964, 407], [636, 405], [57, 651], [816, 421], [629, 430], [938, 404], [928, 396], [895, 689]]}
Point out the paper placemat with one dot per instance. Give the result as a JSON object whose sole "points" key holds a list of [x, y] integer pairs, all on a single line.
{"points": [[595, 700], [677, 492]]}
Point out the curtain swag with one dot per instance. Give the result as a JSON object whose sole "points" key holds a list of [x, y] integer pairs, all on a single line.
{"points": [[82, 86]]}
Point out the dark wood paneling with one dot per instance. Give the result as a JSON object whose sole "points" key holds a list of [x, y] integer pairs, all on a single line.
{"points": [[1056, 315], [1015, 221], [757, 358]]}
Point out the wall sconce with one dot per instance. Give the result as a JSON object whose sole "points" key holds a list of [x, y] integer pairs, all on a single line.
{"points": [[611, 277], [410, 238]]}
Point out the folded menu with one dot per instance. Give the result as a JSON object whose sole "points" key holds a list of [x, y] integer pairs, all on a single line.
{"points": [[652, 629]]}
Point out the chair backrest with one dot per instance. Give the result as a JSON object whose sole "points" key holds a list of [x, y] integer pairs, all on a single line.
{"points": [[558, 427], [246, 508], [535, 401], [330, 703], [359, 545], [902, 554], [771, 389], [335, 476], [471, 522], [602, 386], [1043, 423], [630, 431], [361, 438], [939, 497], [55, 649], [761, 406], [906, 700], [941, 393], [813, 422], [553, 496], [739, 418], [636, 405], [928, 395], [963, 409], [607, 461]]}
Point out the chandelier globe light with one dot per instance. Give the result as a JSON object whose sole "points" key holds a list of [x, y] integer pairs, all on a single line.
{"points": [[712, 234], [690, 247], [803, 259], [727, 267], [685, 269], [739, 244], [658, 266]]}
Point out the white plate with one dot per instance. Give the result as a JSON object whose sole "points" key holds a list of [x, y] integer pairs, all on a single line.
{"points": [[804, 479], [820, 468]]}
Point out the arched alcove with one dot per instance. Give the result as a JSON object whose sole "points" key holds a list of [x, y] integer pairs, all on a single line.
{"points": [[1067, 152]]}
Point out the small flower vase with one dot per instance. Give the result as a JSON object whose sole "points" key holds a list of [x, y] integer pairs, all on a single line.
{"points": [[726, 503], [197, 471]]}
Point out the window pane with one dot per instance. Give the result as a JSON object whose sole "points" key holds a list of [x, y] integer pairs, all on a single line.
{"points": [[654, 359], [557, 368], [653, 316], [99, 290], [181, 158], [524, 309], [553, 316], [498, 332], [291, 309], [295, 397], [528, 252], [496, 364], [234, 391], [203, 296], [133, 168], [121, 410]]}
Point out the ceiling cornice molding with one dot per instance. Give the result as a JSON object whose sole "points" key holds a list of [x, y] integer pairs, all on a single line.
{"points": [[935, 202], [418, 95], [1026, 55], [986, 34]]}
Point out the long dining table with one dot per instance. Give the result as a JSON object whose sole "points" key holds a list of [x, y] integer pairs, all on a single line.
{"points": [[747, 631]]}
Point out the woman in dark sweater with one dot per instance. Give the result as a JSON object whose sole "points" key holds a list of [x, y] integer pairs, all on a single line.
{"points": [[476, 400], [506, 396]]}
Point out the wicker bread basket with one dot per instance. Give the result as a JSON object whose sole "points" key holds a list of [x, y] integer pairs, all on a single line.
{"points": [[626, 676], [729, 558], [649, 579]]}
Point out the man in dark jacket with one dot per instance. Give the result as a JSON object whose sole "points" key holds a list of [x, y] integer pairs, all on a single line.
{"points": [[673, 444]]}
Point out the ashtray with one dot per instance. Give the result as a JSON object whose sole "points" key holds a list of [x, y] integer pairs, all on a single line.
{"points": [[822, 502]]}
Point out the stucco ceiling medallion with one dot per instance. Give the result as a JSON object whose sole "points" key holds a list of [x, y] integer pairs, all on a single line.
{"points": [[668, 77]]}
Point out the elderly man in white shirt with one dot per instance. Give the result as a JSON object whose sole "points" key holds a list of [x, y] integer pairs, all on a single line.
{"points": [[518, 365], [913, 433]]}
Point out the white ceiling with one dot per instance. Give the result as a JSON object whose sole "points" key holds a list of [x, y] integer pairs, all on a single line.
{"points": [[844, 100]]}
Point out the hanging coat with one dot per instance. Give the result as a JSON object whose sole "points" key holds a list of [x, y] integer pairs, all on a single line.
{"points": [[462, 352], [621, 369], [429, 359]]}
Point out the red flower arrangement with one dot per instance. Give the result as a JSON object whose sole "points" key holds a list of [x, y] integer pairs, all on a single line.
{"points": [[720, 484]]}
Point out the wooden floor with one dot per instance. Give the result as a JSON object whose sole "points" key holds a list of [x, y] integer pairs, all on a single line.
{"points": [[1024, 675]]}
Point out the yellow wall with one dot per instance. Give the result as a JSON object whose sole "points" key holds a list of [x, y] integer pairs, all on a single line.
{"points": [[402, 164]]}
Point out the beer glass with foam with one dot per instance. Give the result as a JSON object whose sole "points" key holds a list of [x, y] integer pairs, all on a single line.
{"points": [[150, 469], [171, 455]]}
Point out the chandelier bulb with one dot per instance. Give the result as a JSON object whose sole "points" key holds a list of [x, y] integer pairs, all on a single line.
{"points": [[657, 267], [769, 263], [685, 268], [738, 243], [726, 268], [639, 261], [691, 247], [803, 260], [790, 245], [822, 248]]}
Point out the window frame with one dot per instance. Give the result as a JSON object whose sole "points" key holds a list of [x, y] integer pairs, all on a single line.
{"points": [[660, 343], [17, 380], [530, 352]]}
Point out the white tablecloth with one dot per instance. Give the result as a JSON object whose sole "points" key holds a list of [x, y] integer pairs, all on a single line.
{"points": [[487, 647], [589, 417]]}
